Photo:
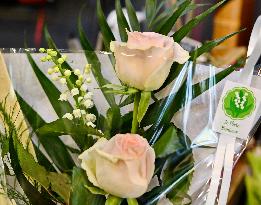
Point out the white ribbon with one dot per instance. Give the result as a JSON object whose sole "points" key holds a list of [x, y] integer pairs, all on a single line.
{"points": [[226, 145]]}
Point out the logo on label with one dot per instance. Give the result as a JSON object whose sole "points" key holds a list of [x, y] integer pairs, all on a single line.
{"points": [[239, 103]]}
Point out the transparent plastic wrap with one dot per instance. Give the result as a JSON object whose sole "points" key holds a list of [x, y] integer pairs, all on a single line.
{"points": [[188, 103]]}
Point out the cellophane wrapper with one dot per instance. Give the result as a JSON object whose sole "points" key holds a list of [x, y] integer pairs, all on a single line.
{"points": [[194, 119]]}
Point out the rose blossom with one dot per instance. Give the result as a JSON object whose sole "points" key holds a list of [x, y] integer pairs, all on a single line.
{"points": [[122, 166], [144, 62]]}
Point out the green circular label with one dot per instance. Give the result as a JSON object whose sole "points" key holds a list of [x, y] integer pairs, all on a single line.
{"points": [[239, 103]]}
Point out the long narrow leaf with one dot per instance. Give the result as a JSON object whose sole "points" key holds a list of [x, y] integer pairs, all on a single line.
{"points": [[166, 28], [208, 46], [134, 22], [150, 7], [105, 29], [34, 196], [79, 194], [54, 147], [182, 32], [122, 22], [67, 127], [96, 70]]}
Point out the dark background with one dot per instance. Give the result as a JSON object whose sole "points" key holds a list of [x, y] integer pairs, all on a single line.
{"points": [[20, 17]]}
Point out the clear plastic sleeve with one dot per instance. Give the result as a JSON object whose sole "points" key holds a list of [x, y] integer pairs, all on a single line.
{"points": [[200, 95]]}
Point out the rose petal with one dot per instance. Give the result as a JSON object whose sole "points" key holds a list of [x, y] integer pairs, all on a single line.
{"points": [[180, 55], [89, 160]]}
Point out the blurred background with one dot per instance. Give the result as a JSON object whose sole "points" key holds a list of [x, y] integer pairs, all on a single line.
{"points": [[22, 20], [25, 19]]}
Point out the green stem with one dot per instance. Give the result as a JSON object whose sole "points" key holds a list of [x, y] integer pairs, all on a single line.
{"points": [[135, 123]]}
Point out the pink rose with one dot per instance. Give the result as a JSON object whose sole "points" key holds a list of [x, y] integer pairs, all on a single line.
{"points": [[122, 166], [144, 62]]}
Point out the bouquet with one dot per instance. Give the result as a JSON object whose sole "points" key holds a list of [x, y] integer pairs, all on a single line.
{"points": [[128, 150]]}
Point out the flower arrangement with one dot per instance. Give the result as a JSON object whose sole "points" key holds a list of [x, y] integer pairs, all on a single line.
{"points": [[119, 155]]}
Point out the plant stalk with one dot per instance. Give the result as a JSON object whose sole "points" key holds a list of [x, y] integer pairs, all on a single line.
{"points": [[135, 123]]}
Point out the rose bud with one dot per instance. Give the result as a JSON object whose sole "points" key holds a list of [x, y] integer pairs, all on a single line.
{"points": [[144, 62]]}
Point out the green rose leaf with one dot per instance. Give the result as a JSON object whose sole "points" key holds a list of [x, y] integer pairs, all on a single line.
{"points": [[95, 190], [113, 200], [168, 143], [132, 202], [65, 126]]}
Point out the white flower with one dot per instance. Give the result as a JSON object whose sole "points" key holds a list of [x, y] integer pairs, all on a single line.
{"points": [[77, 72], [78, 82], [42, 50], [53, 53], [80, 99], [87, 68], [90, 118], [56, 69], [80, 77], [89, 80], [125, 161], [63, 97], [55, 78], [83, 112], [83, 87], [90, 124], [145, 60], [69, 116], [48, 57], [88, 95], [49, 50], [50, 71], [63, 81], [77, 113], [60, 60], [88, 103], [67, 73], [75, 91]]}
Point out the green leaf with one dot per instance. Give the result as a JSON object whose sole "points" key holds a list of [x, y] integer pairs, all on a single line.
{"points": [[86, 45], [134, 22], [132, 202], [122, 22], [79, 194], [113, 200], [42, 159], [95, 190], [152, 197], [186, 29], [67, 127], [168, 25], [150, 8], [208, 46], [50, 90], [96, 70], [168, 143], [54, 147], [143, 104], [119, 89], [178, 194], [59, 183], [105, 29], [127, 101], [34, 196]]}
